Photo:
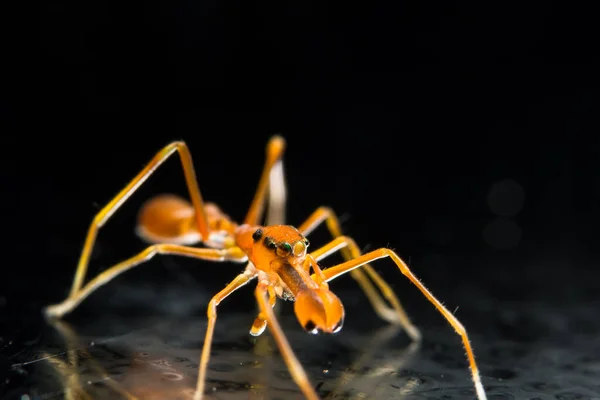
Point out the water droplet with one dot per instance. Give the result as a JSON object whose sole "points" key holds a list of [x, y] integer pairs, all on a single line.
{"points": [[172, 376]]}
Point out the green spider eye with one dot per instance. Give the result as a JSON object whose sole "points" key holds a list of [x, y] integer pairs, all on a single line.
{"points": [[284, 249]]}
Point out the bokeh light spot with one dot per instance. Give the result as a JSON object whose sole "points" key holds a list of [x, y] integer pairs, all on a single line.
{"points": [[506, 198]]}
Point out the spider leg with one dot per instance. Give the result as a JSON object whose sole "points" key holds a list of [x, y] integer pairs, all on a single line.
{"points": [[294, 366], [260, 323], [107, 211], [349, 249], [234, 285], [168, 218], [277, 194], [230, 254], [340, 269], [272, 171]]}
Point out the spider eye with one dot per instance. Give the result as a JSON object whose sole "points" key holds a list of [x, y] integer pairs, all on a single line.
{"points": [[257, 235], [306, 242], [284, 249], [299, 248], [270, 243]]}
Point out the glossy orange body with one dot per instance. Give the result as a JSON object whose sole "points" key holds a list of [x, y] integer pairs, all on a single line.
{"points": [[170, 219]]}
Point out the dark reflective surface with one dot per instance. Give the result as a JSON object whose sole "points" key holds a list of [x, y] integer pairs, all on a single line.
{"points": [[525, 351], [461, 134]]}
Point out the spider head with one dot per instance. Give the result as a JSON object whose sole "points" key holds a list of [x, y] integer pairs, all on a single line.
{"points": [[269, 244]]}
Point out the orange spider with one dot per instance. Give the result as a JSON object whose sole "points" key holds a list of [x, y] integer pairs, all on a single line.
{"points": [[276, 255]]}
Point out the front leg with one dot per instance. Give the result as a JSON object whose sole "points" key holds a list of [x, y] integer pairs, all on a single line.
{"points": [[349, 249], [296, 370], [60, 309], [361, 261], [107, 211], [260, 323], [238, 282]]}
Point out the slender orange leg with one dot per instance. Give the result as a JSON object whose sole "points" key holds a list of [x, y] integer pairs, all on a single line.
{"points": [[397, 315], [108, 210], [294, 366], [349, 251], [336, 271], [317, 275], [168, 218], [277, 196], [231, 254], [237, 283], [275, 149], [260, 323]]}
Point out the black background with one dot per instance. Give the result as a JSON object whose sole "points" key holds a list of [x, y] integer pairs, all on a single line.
{"points": [[402, 116]]}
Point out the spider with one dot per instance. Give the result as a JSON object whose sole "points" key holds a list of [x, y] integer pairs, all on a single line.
{"points": [[276, 256]]}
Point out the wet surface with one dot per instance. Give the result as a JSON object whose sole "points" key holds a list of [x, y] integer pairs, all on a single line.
{"points": [[531, 352]]}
